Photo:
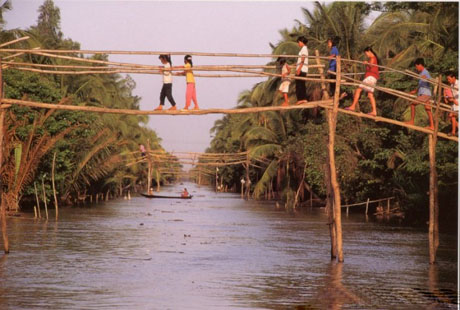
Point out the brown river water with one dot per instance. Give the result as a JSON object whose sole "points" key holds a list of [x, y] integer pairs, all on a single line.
{"points": [[217, 251]]}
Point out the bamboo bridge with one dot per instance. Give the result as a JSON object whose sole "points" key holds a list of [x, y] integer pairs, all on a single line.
{"points": [[331, 106]]}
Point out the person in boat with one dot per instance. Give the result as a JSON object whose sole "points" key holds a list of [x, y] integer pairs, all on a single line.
{"points": [[184, 193]]}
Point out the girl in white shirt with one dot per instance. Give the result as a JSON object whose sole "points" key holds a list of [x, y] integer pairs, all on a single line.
{"points": [[166, 90]]}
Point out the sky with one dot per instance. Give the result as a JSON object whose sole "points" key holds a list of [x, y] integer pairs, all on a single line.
{"points": [[190, 26]]}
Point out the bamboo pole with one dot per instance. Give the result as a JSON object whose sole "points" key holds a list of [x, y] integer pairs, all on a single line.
{"points": [[2, 195], [54, 186], [312, 104], [147, 53], [408, 97], [399, 123], [44, 197], [332, 122], [6, 243], [56, 54], [14, 41], [322, 77], [330, 204], [433, 229], [38, 201], [149, 171], [158, 179]]}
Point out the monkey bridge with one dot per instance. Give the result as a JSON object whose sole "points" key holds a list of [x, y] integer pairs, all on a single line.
{"points": [[76, 64]]}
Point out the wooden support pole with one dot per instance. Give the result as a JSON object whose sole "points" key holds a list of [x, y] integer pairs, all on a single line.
{"points": [[330, 204], [2, 196], [158, 179], [38, 201], [248, 180], [54, 186], [44, 197], [149, 169], [367, 205], [325, 94], [332, 122], [433, 227]]}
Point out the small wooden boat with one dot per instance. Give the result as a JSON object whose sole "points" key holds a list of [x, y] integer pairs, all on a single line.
{"points": [[170, 197]]}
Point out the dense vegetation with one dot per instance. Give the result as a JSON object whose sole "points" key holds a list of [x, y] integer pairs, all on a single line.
{"points": [[374, 160], [90, 149]]}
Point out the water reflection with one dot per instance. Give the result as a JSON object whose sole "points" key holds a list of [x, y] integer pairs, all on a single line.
{"points": [[336, 294]]}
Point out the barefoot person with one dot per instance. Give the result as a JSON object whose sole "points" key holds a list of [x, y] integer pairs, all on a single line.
{"points": [[451, 97], [166, 90], [190, 93], [301, 71], [423, 92], [370, 80], [285, 80]]}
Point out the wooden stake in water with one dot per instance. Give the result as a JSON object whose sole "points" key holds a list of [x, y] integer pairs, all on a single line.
{"points": [[44, 197], [38, 200], [54, 187]]}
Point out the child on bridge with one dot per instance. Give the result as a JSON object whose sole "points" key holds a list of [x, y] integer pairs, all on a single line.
{"points": [[285, 80], [166, 90], [190, 93]]}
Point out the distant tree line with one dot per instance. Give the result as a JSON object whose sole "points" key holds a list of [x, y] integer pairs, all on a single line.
{"points": [[91, 150]]}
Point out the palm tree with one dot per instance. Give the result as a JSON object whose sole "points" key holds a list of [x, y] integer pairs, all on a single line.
{"points": [[407, 31]]}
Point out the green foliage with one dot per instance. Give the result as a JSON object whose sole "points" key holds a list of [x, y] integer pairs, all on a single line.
{"points": [[374, 160], [91, 149]]}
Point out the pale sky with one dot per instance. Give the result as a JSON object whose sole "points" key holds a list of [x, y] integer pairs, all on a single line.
{"points": [[192, 26]]}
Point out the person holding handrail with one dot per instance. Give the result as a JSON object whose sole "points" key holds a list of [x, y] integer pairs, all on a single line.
{"points": [[451, 97], [370, 80], [423, 92]]}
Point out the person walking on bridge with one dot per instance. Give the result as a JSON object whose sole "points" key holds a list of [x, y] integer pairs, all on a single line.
{"points": [[423, 92], [370, 80], [301, 71]]}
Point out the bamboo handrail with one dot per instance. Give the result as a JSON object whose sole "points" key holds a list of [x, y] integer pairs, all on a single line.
{"points": [[49, 53], [394, 122], [403, 95], [250, 73], [14, 41], [370, 201], [152, 53]]}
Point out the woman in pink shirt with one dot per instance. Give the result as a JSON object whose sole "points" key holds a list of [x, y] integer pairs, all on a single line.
{"points": [[370, 80]]}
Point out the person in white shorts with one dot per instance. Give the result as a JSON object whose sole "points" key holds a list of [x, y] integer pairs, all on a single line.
{"points": [[370, 80], [285, 80]]}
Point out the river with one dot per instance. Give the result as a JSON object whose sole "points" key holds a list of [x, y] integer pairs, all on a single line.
{"points": [[217, 251]]}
